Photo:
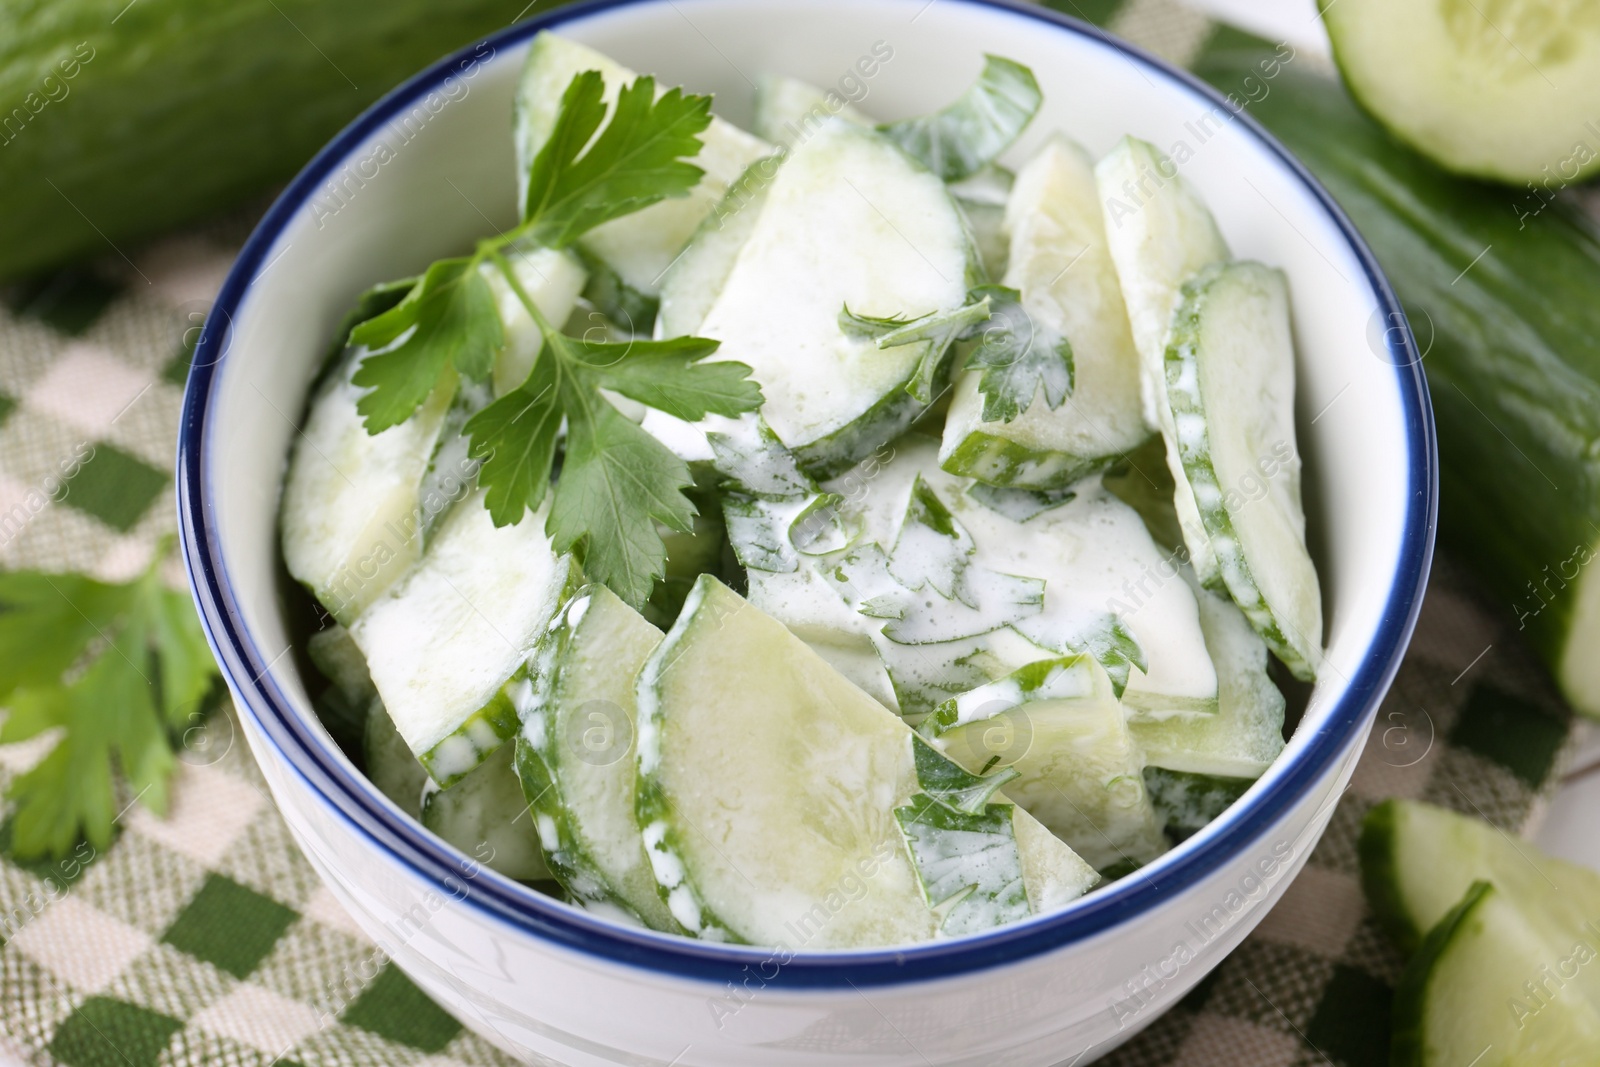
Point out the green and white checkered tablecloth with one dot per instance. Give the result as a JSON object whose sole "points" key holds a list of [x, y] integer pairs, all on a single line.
{"points": [[205, 939]]}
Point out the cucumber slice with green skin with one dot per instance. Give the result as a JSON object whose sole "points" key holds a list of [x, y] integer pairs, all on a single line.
{"points": [[390, 764], [485, 816], [1417, 860], [848, 220], [1230, 384], [443, 643], [1486, 989], [575, 755], [1187, 803], [1242, 737], [789, 111], [1060, 262], [1058, 724], [770, 790], [1160, 233], [641, 246], [1505, 93]]}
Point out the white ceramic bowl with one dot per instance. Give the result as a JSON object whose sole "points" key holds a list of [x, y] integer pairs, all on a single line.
{"points": [[545, 980]]}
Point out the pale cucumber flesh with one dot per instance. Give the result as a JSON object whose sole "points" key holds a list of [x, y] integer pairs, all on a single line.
{"points": [[485, 816]]}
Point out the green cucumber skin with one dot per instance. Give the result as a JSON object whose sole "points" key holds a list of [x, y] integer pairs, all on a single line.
{"points": [[1512, 359], [186, 107], [996, 461], [1408, 1041], [1376, 847]]}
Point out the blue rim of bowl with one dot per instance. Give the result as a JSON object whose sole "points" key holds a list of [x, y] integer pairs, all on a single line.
{"points": [[316, 761]]}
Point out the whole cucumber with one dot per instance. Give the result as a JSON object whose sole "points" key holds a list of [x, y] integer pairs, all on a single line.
{"points": [[1502, 289], [119, 119]]}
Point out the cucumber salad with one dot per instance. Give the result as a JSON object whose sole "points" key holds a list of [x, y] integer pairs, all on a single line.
{"points": [[821, 536]]}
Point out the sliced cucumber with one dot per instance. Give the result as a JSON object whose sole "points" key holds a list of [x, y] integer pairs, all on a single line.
{"points": [[1230, 383], [848, 221], [1487, 989], [390, 764], [971, 132], [351, 516], [788, 110], [1057, 723], [1245, 734], [1160, 233], [638, 247], [773, 795], [697, 276], [1503, 91], [485, 816], [1417, 860], [1061, 264], [575, 754], [442, 643], [357, 508]]}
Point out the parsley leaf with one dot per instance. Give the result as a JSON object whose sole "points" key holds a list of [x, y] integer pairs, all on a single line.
{"points": [[935, 332], [448, 319], [147, 674], [969, 134], [634, 163], [1019, 358], [617, 482]]}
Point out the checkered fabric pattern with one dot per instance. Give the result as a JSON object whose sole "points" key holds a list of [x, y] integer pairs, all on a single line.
{"points": [[204, 938]]}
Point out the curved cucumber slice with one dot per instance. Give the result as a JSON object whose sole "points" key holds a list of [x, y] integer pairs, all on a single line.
{"points": [[1060, 262], [485, 816], [390, 764], [1502, 91], [1417, 860], [1230, 384], [848, 221], [1057, 723], [1245, 733], [1160, 233], [788, 110], [638, 247], [576, 753], [780, 804], [693, 282], [1486, 989], [442, 643]]}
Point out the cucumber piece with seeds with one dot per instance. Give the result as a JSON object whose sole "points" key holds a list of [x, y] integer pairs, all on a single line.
{"points": [[1230, 387], [772, 797]]}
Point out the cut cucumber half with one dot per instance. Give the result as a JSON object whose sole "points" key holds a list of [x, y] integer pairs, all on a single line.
{"points": [[485, 816], [1417, 860], [442, 643], [848, 221], [641, 246], [1242, 737], [1160, 233], [575, 754], [1486, 989], [1057, 723], [1060, 262], [1504, 91], [390, 763], [774, 798], [789, 111], [1230, 384]]}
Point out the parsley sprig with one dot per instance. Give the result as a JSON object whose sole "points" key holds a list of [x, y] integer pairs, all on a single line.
{"points": [[123, 670], [616, 482]]}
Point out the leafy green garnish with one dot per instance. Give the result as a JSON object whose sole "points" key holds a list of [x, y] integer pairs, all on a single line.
{"points": [[969, 134], [1107, 638], [1060, 678], [934, 332], [1019, 358], [1020, 505], [951, 784], [123, 670], [617, 482]]}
